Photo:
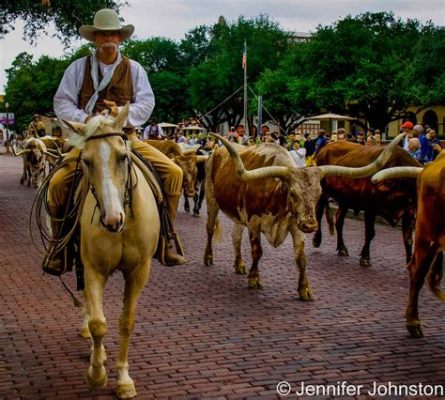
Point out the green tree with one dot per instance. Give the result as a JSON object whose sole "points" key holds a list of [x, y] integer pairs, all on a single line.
{"points": [[162, 60], [359, 66], [31, 85], [220, 74], [426, 73], [66, 15]]}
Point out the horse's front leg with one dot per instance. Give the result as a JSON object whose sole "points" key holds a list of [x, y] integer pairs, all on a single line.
{"points": [[94, 287], [134, 284], [84, 330]]}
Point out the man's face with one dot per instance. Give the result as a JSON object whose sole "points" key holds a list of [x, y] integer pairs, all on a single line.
{"points": [[107, 40]]}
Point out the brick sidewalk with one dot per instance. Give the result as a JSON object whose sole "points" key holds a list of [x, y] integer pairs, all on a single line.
{"points": [[201, 334]]}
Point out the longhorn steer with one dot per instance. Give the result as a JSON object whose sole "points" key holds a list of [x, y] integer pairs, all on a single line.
{"points": [[34, 157], [189, 164], [429, 238], [274, 207], [392, 200]]}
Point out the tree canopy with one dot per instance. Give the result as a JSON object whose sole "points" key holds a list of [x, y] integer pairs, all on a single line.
{"points": [[372, 66], [66, 15]]}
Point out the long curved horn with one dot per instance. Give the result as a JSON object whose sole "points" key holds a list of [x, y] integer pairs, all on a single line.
{"points": [[48, 153], [264, 172], [201, 159], [21, 152], [189, 152], [367, 170], [397, 172]]}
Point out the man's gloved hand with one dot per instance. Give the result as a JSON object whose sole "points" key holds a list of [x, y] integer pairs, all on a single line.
{"points": [[112, 106]]}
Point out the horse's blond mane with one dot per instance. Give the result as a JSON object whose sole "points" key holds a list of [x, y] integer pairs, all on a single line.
{"points": [[78, 140]]}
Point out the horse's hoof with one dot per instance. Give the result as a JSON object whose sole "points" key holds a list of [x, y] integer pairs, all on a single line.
{"points": [[187, 209], [196, 215], [85, 332], [126, 390], [343, 253], [305, 294], [97, 377], [254, 283], [240, 268], [365, 262], [415, 330]]}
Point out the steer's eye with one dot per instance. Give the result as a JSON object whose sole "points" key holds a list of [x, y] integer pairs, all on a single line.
{"points": [[122, 158], [87, 162]]}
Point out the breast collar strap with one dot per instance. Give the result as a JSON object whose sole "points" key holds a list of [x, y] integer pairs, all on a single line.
{"points": [[109, 134]]}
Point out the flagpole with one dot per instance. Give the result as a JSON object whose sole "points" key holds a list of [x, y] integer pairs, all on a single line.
{"points": [[246, 124]]}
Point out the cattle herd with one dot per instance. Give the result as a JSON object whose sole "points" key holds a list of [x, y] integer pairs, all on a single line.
{"points": [[293, 200], [258, 187]]}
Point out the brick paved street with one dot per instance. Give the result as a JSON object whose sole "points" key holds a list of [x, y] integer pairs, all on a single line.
{"points": [[201, 334]]}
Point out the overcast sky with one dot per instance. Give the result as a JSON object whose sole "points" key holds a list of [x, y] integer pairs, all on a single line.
{"points": [[173, 18]]}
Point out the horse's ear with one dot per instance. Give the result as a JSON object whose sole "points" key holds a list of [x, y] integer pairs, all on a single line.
{"points": [[77, 127], [122, 116]]}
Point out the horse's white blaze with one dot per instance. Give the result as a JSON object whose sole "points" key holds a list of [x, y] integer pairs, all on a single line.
{"points": [[111, 202]]}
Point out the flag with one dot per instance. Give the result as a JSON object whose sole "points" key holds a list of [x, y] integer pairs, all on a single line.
{"points": [[244, 63]]}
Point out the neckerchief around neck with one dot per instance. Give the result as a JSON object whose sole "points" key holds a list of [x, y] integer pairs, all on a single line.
{"points": [[98, 86]]}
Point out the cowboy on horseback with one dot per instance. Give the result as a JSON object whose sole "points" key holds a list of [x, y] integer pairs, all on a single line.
{"points": [[90, 85]]}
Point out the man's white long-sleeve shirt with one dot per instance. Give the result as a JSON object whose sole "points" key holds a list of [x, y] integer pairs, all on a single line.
{"points": [[66, 98]]}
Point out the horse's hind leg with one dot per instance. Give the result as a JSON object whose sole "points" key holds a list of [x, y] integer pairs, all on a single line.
{"points": [[94, 287], [134, 283]]}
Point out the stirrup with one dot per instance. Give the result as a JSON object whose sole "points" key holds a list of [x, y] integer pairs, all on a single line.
{"points": [[52, 258], [164, 246]]}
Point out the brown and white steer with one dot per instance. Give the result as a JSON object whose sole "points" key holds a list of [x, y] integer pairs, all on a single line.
{"points": [[188, 162], [260, 188], [34, 158]]}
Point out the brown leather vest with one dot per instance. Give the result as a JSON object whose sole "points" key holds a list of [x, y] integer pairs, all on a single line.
{"points": [[119, 90]]}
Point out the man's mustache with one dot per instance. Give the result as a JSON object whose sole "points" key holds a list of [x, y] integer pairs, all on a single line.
{"points": [[108, 44]]}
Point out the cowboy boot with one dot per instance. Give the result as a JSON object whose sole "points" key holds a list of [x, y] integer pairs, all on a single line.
{"points": [[173, 256], [54, 262]]}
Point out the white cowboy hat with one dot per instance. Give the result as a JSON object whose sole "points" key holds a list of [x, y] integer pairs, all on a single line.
{"points": [[105, 20]]}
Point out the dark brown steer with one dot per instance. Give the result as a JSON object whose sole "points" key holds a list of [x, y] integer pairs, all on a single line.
{"points": [[392, 200]]}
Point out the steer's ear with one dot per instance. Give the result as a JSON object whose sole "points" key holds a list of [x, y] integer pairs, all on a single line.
{"points": [[76, 127]]}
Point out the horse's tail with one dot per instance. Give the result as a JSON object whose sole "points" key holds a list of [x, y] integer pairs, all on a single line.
{"points": [[218, 229], [435, 276]]}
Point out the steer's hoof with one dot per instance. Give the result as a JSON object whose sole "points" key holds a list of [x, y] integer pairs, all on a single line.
{"points": [[415, 329], [240, 268], [343, 253], [316, 241], [126, 390], [254, 283], [208, 259], [365, 262], [97, 377], [305, 294]]}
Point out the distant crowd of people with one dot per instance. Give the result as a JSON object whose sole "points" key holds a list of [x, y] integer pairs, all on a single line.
{"points": [[421, 142]]}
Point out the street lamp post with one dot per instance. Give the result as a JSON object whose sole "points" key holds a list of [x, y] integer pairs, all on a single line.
{"points": [[7, 121]]}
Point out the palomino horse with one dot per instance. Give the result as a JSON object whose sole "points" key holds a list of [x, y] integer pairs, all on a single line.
{"points": [[122, 234]]}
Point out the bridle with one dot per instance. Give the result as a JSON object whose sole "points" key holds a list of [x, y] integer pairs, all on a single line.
{"points": [[128, 195]]}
